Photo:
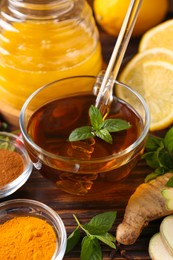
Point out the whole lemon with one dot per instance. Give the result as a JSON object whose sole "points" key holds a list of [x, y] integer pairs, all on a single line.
{"points": [[110, 14]]}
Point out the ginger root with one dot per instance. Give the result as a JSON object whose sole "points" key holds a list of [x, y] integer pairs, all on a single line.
{"points": [[146, 204]]}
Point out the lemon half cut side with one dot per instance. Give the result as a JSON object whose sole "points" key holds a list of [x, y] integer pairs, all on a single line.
{"points": [[155, 83], [160, 36], [132, 74], [158, 82]]}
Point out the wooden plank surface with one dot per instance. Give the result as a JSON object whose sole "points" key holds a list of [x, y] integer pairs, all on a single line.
{"points": [[84, 208]]}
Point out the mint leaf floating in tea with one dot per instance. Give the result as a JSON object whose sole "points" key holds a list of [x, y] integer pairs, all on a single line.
{"points": [[99, 127], [81, 133], [97, 229]]}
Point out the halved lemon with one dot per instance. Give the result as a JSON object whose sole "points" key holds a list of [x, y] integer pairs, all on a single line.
{"points": [[132, 74], [155, 82], [159, 36]]}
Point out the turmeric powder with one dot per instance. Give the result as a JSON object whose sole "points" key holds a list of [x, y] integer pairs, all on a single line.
{"points": [[27, 238]]}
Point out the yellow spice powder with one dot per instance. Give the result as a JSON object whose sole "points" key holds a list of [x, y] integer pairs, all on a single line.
{"points": [[27, 238]]}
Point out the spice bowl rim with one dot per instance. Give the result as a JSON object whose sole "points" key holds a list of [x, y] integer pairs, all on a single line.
{"points": [[9, 188], [42, 210]]}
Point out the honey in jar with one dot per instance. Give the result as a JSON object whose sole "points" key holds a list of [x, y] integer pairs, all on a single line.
{"points": [[42, 41]]}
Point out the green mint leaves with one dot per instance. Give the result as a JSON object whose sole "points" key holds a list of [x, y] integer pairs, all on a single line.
{"points": [[95, 230], [3, 126], [99, 127], [5, 144], [159, 155]]}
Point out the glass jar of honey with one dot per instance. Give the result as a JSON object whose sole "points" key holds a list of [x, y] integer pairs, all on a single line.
{"points": [[42, 41]]}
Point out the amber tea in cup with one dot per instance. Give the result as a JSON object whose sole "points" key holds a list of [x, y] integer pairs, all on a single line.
{"points": [[52, 112]]}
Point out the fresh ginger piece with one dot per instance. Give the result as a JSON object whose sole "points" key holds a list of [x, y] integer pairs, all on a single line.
{"points": [[146, 204], [166, 231], [168, 195], [157, 250]]}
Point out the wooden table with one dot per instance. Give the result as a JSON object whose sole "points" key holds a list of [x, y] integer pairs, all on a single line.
{"points": [[84, 208]]}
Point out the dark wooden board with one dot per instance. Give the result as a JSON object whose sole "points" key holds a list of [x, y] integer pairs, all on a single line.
{"points": [[38, 188]]}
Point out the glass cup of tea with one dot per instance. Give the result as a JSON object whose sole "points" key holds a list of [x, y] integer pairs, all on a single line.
{"points": [[53, 111]]}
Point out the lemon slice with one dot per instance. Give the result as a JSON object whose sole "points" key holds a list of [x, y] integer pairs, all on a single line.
{"points": [[132, 74], [156, 85], [159, 36]]}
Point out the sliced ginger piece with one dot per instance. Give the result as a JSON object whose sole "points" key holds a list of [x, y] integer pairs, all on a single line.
{"points": [[166, 232], [168, 195], [157, 250]]}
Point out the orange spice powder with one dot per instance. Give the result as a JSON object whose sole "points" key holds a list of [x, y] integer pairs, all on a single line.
{"points": [[11, 166], [28, 238]]}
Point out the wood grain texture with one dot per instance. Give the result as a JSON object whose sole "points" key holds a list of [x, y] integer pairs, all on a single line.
{"points": [[38, 188]]}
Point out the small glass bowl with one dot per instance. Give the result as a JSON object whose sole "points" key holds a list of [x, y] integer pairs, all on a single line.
{"points": [[33, 208], [15, 143], [76, 172]]}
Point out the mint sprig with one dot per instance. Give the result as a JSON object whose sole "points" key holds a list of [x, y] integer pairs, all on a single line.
{"points": [[6, 144], [95, 230], [99, 127], [159, 155]]}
